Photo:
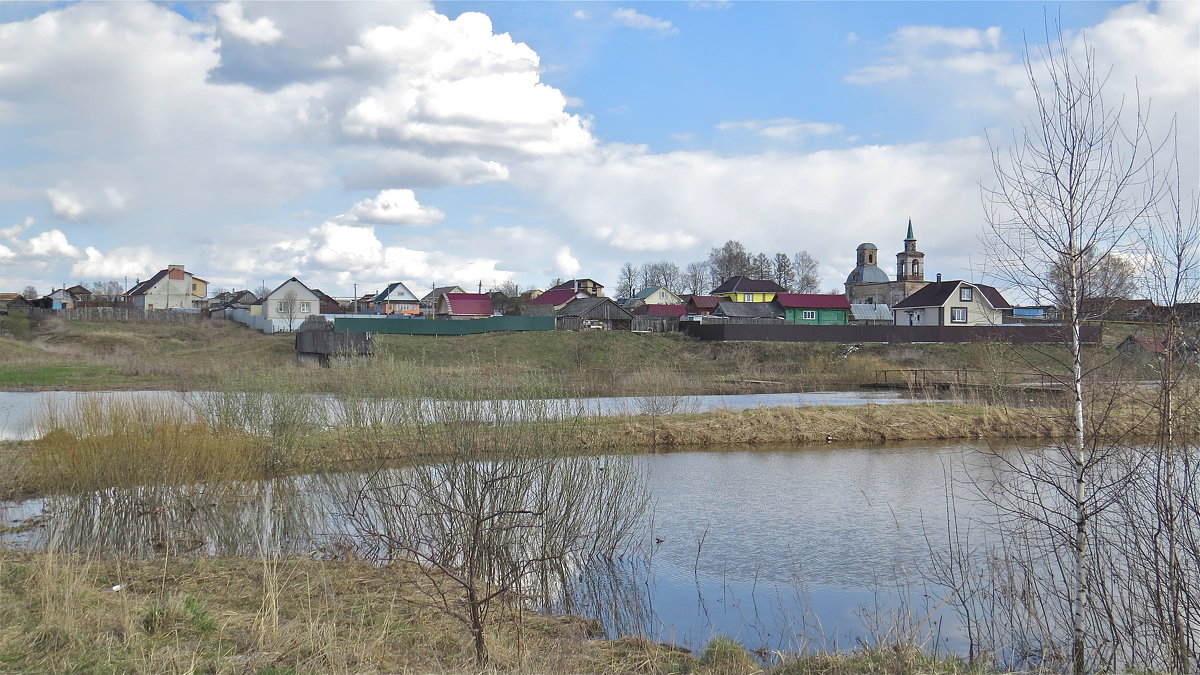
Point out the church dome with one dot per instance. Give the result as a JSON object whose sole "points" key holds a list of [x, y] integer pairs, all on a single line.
{"points": [[867, 246], [867, 274]]}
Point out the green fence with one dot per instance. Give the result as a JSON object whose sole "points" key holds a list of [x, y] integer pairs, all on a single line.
{"points": [[442, 326]]}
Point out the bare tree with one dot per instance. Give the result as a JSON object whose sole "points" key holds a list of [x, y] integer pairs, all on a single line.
{"points": [[731, 259], [784, 272], [808, 280], [497, 513], [289, 309], [1068, 192], [627, 280], [29, 293], [661, 273], [695, 278]]}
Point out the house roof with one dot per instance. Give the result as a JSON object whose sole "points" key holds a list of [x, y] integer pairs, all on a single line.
{"points": [[473, 304], [78, 289], [395, 292], [532, 309], [285, 284], [5, 297], [744, 284], [812, 301], [870, 312], [140, 288], [595, 308], [569, 284], [747, 310], [649, 291], [703, 301], [937, 293], [438, 292], [555, 297]]}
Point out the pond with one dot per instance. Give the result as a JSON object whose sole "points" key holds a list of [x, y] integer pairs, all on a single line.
{"points": [[774, 547], [20, 411]]}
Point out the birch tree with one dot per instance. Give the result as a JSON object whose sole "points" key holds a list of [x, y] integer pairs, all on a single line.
{"points": [[1072, 187]]}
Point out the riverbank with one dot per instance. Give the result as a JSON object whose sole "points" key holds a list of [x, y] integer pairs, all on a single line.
{"points": [[308, 615], [217, 355]]}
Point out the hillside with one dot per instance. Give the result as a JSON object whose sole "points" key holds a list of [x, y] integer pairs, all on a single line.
{"points": [[212, 354]]}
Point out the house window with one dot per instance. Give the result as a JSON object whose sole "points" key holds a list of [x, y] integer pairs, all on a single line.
{"points": [[966, 294], [958, 315], [747, 297], [285, 307], [304, 307], [809, 315]]}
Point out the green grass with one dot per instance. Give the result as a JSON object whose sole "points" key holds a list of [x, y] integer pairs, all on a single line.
{"points": [[48, 376]]}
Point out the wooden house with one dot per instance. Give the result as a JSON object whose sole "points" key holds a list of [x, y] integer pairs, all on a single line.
{"points": [[700, 305], [593, 313], [744, 289], [589, 286], [464, 306], [814, 309]]}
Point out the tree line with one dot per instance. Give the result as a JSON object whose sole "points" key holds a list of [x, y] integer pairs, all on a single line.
{"points": [[796, 272]]}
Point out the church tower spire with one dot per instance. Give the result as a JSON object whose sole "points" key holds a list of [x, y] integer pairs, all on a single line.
{"points": [[910, 263]]}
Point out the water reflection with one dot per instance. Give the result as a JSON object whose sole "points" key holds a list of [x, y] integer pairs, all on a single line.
{"points": [[778, 547]]}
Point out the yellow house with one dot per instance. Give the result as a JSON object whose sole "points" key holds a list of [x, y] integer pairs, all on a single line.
{"points": [[744, 289]]}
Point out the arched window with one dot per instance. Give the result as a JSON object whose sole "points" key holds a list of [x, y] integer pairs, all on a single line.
{"points": [[916, 268]]}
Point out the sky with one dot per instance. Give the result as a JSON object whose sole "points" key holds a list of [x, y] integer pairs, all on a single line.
{"points": [[471, 143]]}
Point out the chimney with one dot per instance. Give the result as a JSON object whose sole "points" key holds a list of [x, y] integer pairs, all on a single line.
{"points": [[174, 267], [939, 278]]}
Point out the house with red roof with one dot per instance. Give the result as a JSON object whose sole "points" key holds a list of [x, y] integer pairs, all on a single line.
{"points": [[464, 306], [952, 303], [814, 309], [700, 305], [558, 297]]}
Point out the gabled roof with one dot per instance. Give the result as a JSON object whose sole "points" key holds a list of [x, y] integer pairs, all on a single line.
{"points": [[395, 292], [744, 284], [702, 301], [595, 308], [79, 290], [871, 312], [285, 284], [937, 293], [649, 291], [438, 292], [469, 304], [141, 287], [812, 301], [556, 297], [570, 284], [748, 310]]}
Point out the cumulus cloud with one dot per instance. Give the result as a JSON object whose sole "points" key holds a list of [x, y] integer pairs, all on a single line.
{"points": [[120, 262], [395, 207], [565, 263], [261, 31], [784, 128], [631, 18], [49, 244], [64, 204], [6, 253], [920, 49]]}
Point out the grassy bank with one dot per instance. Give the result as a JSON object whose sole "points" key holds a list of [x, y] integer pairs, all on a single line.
{"points": [[303, 615], [57, 354]]}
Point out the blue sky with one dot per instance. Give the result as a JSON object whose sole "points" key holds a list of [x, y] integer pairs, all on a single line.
{"points": [[467, 142]]}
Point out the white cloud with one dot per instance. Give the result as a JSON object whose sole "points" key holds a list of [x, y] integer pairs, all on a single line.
{"points": [[581, 15], [64, 204], [784, 128], [49, 244], [123, 261], [924, 38], [565, 263], [395, 207], [631, 18], [261, 31], [14, 230], [6, 253]]}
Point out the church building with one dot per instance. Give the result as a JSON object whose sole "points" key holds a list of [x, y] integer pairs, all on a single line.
{"points": [[870, 285]]}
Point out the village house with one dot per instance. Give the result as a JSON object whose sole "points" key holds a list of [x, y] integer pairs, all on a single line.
{"points": [[593, 313], [395, 299], [171, 288], [700, 305], [429, 302], [654, 295], [589, 286], [814, 309], [289, 304], [952, 303], [744, 289], [464, 306]]}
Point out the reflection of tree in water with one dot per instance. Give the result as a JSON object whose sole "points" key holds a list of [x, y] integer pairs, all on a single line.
{"points": [[223, 519]]}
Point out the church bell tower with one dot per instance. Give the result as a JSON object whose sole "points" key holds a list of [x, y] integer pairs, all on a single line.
{"points": [[910, 263]]}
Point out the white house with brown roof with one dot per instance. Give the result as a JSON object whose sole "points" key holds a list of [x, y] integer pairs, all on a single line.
{"points": [[952, 303], [171, 288]]}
